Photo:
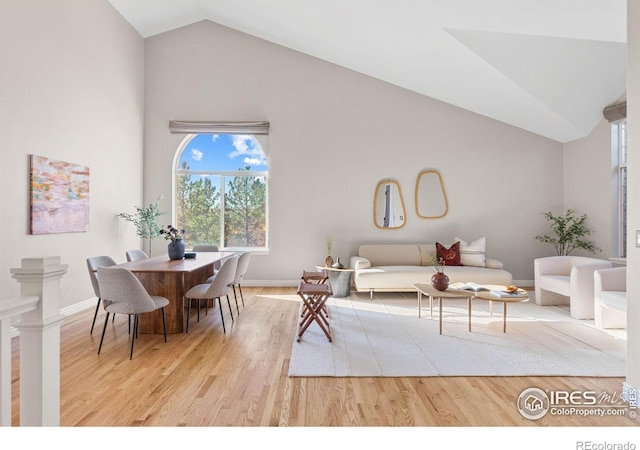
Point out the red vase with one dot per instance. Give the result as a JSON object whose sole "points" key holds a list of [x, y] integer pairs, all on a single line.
{"points": [[440, 281]]}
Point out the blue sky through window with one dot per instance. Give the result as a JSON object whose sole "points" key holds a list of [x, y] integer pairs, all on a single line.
{"points": [[223, 152]]}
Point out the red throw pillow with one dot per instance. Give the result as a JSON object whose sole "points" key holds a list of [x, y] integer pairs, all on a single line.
{"points": [[451, 256]]}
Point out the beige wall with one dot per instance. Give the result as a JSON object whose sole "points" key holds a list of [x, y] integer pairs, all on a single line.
{"points": [[71, 88], [588, 187], [334, 135]]}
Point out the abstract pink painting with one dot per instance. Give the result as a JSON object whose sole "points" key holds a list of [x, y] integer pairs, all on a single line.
{"points": [[59, 196]]}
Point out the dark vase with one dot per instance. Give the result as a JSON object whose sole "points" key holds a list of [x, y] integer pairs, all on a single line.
{"points": [[440, 281], [176, 249]]}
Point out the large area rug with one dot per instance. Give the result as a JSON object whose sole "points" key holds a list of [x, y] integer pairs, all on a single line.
{"points": [[384, 337]]}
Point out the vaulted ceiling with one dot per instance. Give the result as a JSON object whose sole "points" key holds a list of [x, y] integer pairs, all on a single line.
{"points": [[547, 66]]}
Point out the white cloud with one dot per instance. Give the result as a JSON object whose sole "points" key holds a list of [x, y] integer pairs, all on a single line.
{"points": [[215, 137], [247, 146], [254, 161], [196, 155]]}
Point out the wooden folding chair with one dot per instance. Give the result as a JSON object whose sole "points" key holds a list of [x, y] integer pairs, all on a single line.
{"points": [[314, 297], [318, 276]]}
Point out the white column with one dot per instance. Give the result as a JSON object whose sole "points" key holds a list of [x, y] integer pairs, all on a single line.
{"points": [[40, 341], [10, 309]]}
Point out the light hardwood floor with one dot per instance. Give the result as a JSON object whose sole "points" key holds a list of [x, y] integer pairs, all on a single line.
{"points": [[207, 378]]}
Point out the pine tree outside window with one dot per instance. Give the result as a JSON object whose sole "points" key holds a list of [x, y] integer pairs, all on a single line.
{"points": [[221, 191]]}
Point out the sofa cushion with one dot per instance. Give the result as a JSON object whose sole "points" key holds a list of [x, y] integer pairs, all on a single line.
{"points": [[391, 254], [450, 256], [397, 278], [472, 254], [559, 284], [615, 300]]}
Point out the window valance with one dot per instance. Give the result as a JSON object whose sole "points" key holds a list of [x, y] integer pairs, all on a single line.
{"points": [[188, 127], [615, 112]]}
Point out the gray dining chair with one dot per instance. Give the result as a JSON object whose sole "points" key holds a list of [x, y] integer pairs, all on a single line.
{"points": [[123, 293], [92, 264], [241, 270], [205, 248], [136, 255], [208, 248], [218, 287]]}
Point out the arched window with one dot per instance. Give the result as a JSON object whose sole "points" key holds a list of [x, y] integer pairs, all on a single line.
{"points": [[221, 191]]}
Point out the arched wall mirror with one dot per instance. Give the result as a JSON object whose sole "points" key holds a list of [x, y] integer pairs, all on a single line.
{"points": [[388, 206], [431, 197]]}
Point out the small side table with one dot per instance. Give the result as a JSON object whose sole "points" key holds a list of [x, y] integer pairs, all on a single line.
{"points": [[340, 280], [431, 292], [522, 296]]}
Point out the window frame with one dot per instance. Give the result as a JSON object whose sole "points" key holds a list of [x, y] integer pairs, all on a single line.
{"points": [[620, 172], [177, 171]]}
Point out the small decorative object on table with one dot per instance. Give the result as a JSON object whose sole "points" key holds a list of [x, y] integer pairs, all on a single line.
{"points": [[439, 280], [338, 264], [176, 247], [328, 261]]}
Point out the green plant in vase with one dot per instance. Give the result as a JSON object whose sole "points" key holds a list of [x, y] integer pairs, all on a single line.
{"points": [[569, 232], [145, 220], [328, 261]]}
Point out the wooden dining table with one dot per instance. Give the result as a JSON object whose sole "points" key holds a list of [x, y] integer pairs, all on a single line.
{"points": [[171, 279]]}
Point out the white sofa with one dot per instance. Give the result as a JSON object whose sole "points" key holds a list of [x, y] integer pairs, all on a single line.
{"points": [[610, 289], [397, 267], [561, 280]]}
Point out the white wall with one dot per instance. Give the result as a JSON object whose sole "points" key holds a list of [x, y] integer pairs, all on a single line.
{"points": [[334, 135], [589, 188], [71, 88]]}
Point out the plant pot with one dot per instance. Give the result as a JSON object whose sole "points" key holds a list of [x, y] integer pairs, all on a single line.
{"points": [[328, 261], [440, 281], [176, 249]]}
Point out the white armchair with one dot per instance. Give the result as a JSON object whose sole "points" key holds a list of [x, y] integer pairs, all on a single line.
{"points": [[567, 280], [610, 289]]}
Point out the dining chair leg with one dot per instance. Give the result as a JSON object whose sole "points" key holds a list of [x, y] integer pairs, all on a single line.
{"points": [[106, 320], [135, 333], [95, 315], [241, 296], [236, 298], [230, 310], [199, 310], [164, 325], [221, 315]]}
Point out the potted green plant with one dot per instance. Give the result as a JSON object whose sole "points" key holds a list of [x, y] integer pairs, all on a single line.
{"points": [[569, 232], [328, 261], [145, 220]]}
